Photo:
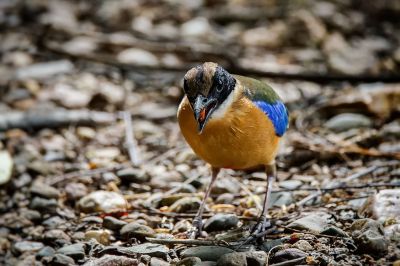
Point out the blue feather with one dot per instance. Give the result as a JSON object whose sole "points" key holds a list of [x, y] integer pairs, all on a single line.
{"points": [[277, 113]]}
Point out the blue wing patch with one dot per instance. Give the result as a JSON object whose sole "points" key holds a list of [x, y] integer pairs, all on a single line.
{"points": [[277, 113]]}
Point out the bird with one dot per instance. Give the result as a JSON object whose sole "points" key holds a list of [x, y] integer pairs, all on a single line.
{"points": [[231, 122]]}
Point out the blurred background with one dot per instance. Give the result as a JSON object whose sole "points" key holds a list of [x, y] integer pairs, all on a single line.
{"points": [[90, 88]]}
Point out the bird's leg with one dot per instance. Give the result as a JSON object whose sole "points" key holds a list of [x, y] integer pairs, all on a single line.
{"points": [[262, 224], [197, 220]]}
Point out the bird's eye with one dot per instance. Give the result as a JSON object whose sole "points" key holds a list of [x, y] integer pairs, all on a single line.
{"points": [[219, 88]]}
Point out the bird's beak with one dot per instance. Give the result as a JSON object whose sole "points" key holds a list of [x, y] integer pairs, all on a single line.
{"points": [[203, 108]]}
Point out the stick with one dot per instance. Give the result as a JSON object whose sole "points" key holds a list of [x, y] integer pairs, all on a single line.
{"points": [[193, 242], [37, 119], [130, 142]]}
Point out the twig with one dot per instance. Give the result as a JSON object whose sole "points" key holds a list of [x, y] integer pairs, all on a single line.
{"points": [[175, 189], [130, 141], [361, 173], [193, 242], [59, 117], [308, 198]]}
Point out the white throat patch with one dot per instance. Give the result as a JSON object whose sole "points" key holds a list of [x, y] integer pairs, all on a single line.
{"points": [[224, 107]]}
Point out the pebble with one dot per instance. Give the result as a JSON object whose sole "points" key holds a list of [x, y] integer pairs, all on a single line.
{"points": [[290, 184], [45, 191], [281, 198], [75, 191], [369, 236], [6, 166], [108, 260], [386, 205], [221, 222], [135, 229], [75, 251], [196, 28], [256, 258], [158, 262], [44, 70], [303, 245], [225, 198], [102, 201], [232, 259], [58, 235], [225, 185], [185, 204], [62, 260], [233, 235], [392, 232], [315, 222], [288, 254], [206, 253], [189, 261], [134, 175], [334, 231], [112, 223], [92, 219], [101, 236], [151, 249], [137, 56], [45, 252], [346, 121], [41, 204], [27, 246]]}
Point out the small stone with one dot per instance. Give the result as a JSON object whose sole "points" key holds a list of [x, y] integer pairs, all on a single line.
{"points": [[6, 166], [334, 231], [206, 253], [75, 191], [386, 205], [314, 222], [45, 191], [112, 223], [221, 222], [31, 215], [225, 198], [392, 232], [56, 234], [369, 237], [134, 175], [92, 219], [189, 261], [288, 254], [281, 198], [232, 259], [135, 229], [75, 251], [41, 204], [346, 121], [158, 262], [44, 70], [196, 28], [62, 260], [269, 37], [27, 246], [233, 235], [102, 201], [108, 260], [185, 204], [45, 252], [290, 184], [137, 56], [225, 185], [256, 258], [102, 236], [303, 245], [151, 249]]}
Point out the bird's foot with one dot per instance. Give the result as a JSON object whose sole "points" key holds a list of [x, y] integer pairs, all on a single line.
{"points": [[258, 232], [195, 230]]}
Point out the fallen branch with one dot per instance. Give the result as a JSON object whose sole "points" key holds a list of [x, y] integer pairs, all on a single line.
{"points": [[38, 119]]}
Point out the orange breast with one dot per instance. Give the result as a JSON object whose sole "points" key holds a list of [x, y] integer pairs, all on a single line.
{"points": [[244, 138]]}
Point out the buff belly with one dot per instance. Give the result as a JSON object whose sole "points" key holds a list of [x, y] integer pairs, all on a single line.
{"points": [[244, 138]]}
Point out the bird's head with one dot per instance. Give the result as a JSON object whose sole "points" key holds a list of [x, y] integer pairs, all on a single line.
{"points": [[207, 86]]}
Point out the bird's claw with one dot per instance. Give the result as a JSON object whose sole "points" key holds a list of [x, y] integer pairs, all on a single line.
{"points": [[195, 230], [259, 231]]}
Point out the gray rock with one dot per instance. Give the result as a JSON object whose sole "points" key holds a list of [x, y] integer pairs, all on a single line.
{"points": [[185, 204], [137, 230], [31, 215], [220, 222], [75, 251], [134, 175], [225, 185], [189, 261], [256, 258], [62, 260], [27, 246], [386, 204], [281, 198], [45, 191], [334, 231], [233, 259], [158, 262], [45, 252], [225, 198], [151, 249], [346, 121], [41, 204], [137, 56], [314, 222], [112, 223], [56, 234], [6, 166], [206, 253], [108, 260], [92, 219], [303, 245], [102, 201], [44, 70], [288, 254], [369, 237], [233, 235], [76, 191], [290, 184]]}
